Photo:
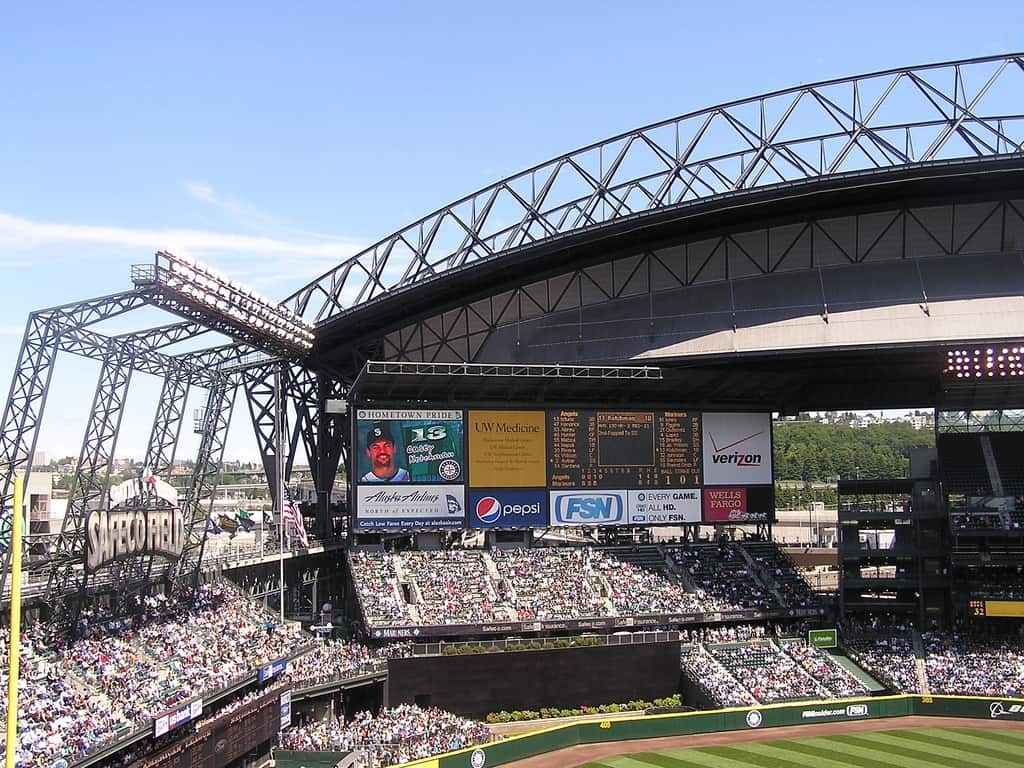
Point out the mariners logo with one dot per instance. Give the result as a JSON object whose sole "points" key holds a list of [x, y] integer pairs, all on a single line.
{"points": [[449, 470], [754, 718]]}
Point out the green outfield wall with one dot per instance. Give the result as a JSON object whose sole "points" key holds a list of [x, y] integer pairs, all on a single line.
{"points": [[733, 719]]}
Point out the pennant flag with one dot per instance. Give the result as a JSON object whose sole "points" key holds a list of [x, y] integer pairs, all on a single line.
{"points": [[149, 479], [211, 527], [244, 520], [228, 524], [291, 514]]}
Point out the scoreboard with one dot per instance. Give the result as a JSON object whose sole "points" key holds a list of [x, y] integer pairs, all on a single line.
{"points": [[997, 608], [436, 468], [624, 449]]}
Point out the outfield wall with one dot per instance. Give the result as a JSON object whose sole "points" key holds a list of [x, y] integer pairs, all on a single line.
{"points": [[475, 685], [734, 719]]}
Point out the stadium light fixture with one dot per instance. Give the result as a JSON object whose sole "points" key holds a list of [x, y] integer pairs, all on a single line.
{"points": [[989, 362], [200, 292]]}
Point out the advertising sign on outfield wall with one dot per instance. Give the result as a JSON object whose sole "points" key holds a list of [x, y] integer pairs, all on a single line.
{"points": [[737, 448]]}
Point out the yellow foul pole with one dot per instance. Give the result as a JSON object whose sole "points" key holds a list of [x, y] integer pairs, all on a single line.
{"points": [[15, 649]]}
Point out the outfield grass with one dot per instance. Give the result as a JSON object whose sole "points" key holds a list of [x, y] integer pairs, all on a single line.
{"points": [[904, 748]]}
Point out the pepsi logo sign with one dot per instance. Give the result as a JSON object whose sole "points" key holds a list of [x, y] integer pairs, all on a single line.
{"points": [[488, 509]]}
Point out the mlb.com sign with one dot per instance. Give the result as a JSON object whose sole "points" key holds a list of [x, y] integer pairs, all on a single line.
{"points": [[590, 508]]}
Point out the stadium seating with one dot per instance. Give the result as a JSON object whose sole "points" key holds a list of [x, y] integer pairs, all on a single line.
{"points": [[472, 586], [886, 651], [393, 736], [79, 695], [720, 570]]}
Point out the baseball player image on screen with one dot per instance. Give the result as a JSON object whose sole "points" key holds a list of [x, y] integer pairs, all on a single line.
{"points": [[380, 449]]}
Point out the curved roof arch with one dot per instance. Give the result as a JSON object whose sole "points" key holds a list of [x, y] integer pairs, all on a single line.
{"points": [[883, 121]]}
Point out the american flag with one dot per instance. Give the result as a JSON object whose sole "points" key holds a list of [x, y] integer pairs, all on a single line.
{"points": [[291, 514]]}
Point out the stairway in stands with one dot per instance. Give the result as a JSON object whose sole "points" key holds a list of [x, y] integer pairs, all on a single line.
{"points": [[994, 475], [646, 556]]}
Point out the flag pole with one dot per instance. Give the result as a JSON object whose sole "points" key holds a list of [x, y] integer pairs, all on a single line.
{"points": [[279, 472], [10, 754]]}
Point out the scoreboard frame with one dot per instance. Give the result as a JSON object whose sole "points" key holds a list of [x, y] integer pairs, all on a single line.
{"points": [[509, 469]]}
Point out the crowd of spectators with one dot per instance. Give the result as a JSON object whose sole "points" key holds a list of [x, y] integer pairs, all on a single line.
{"points": [[639, 591], [333, 660], [378, 588], [451, 582], [80, 694], [885, 648], [718, 684], [775, 568], [718, 570], [393, 736], [548, 583], [973, 664], [770, 675], [747, 664], [822, 668], [471, 586], [173, 652]]}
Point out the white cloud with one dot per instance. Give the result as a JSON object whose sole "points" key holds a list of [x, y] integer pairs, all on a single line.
{"points": [[277, 259], [25, 233]]}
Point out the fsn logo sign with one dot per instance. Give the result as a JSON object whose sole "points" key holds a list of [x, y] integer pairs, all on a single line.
{"points": [[607, 508]]}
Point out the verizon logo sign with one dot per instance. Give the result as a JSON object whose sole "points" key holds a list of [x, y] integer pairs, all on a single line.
{"points": [[737, 448]]}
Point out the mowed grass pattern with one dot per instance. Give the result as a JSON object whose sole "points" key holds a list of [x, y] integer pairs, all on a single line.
{"points": [[905, 748]]}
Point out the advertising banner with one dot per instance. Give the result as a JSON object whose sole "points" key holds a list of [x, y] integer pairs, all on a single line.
{"points": [[271, 670], [738, 505], [737, 448], [507, 449], [590, 508], [424, 507], [286, 709], [409, 446], [664, 507], [508, 508], [823, 638], [177, 717]]}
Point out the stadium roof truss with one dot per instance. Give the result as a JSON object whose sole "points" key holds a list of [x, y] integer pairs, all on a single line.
{"points": [[55, 565], [940, 113]]}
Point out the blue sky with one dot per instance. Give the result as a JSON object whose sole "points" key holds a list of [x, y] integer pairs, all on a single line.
{"points": [[271, 140]]}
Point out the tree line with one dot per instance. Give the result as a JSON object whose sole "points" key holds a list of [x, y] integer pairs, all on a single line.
{"points": [[814, 452]]}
